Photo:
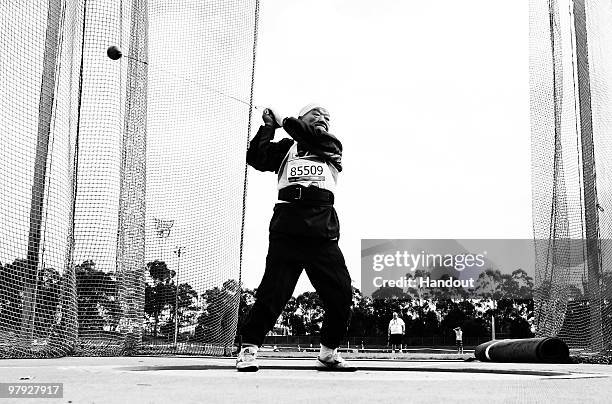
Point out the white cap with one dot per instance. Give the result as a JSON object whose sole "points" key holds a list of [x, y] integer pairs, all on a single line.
{"points": [[309, 108]]}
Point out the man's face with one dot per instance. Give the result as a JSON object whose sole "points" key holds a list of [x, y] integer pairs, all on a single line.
{"points": [[395, 316], [317, 117]]}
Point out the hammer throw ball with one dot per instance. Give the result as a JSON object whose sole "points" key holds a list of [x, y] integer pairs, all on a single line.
{"points": [[114, 52]]}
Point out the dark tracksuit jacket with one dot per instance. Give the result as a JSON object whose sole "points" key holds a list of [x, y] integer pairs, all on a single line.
{"points": [[302, 236], [265, 155]]}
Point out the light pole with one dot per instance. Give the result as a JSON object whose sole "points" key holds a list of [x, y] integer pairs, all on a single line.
{"points": [[162, 228], [178, 252], [493, 320]]}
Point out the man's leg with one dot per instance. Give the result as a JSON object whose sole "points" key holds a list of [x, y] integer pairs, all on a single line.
{"points": [[280, 277], [328, 274], [282, 272]]}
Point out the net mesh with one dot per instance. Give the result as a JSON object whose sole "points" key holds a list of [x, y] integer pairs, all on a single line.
{"points": [[570, 76], [89, 142]]}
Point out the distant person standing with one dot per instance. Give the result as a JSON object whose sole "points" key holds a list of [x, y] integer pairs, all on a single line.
{"points": [[459, 339], [397, 327]]}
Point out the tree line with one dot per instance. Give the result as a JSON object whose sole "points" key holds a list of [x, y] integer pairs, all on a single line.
{"points": [[209, 317], [425, 314]]}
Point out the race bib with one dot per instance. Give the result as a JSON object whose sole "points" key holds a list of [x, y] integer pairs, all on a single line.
{"points": [[305, 170]]}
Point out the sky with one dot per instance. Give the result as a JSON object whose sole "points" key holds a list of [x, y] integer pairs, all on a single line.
{"points": [[431, 102]]}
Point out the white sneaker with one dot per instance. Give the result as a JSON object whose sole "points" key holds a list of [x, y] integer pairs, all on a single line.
{"points": [[334, 363], [247, 360]]}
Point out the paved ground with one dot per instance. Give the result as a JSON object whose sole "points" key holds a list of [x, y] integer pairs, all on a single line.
{"points": [[422, 354], [214, 380]]}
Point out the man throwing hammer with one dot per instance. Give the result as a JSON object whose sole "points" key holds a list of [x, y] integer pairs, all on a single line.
{"points": [[304, 232]]}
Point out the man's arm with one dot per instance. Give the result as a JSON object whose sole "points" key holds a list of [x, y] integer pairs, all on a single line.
{"points": [[316, 140], [265, 155]]}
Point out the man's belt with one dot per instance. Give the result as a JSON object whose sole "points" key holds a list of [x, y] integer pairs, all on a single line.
{"points": [[308, 195]]}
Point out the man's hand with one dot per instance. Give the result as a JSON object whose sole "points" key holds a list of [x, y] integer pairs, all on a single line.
{"points": [[271, 118], [268, 118]]}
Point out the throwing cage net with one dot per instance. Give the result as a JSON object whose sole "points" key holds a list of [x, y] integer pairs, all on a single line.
{"points": [[88, 142], [571, 123]]}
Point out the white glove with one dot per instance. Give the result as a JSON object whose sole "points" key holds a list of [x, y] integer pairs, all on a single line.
{"points": [[276, 116]]}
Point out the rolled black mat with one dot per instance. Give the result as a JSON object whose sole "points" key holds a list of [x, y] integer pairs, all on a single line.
{"points": [[533, 350]]}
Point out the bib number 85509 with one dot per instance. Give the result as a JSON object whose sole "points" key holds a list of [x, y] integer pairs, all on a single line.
{"points": [[296, 171]]}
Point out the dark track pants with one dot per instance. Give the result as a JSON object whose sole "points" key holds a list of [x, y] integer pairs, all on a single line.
{"points": [[325, 267]]}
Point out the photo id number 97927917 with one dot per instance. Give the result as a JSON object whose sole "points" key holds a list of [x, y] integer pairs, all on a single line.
{"points": [[31, 390]]}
